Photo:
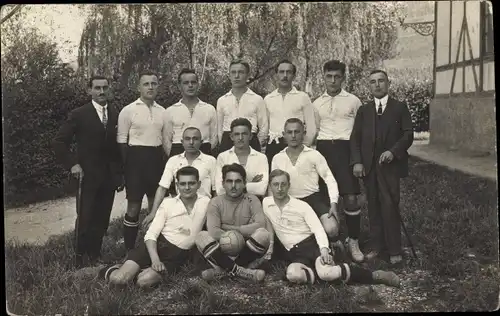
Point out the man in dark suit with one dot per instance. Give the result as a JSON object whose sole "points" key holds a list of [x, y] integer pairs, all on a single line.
{"points": [[379, 141], [97, 162]]}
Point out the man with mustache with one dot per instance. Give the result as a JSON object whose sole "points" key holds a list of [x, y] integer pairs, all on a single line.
{"points": [[97, 163], [192, 156], [381, 136], [241, 102], [140, 126], [169, 239], [336, 112], [286, 102], [306, 244], [254, 162], [241, 212]]}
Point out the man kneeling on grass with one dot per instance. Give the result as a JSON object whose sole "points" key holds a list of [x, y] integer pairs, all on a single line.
{"points": [[236, 211], [170, 237], [300, 231]]}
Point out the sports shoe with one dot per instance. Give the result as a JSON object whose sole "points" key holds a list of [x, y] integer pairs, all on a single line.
{"points": [[212, 274], [356, 254], [386, 277], [256, 275]]}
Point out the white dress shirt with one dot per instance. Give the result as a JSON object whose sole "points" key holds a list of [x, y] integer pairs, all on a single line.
{"points": [[206, 168], [177, 225], [384, 103], [177, 117], [100, 110], [336, 115], [256, 164], [251, 107], [294, 104], [295, 223], [140, 125], [304, 176]]}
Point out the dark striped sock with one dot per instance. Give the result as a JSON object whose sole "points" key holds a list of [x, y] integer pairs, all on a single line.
{"points": [[105, 272], [130, 231], [353, 223], [216, 256], [252, 251]]}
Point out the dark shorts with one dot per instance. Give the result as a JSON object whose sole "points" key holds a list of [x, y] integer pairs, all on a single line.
{"points": [[274, 148], [143, 171], [172, 256], [226, 143], [337, 155], [318, 203], [304, 252]]}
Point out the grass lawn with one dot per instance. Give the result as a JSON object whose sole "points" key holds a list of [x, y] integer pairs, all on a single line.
{"points": [[451, 217]]}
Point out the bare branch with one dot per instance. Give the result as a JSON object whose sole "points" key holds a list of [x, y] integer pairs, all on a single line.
{"points": [[11, 13]]}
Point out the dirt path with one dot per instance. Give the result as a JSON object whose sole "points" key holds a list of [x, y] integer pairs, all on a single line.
{"points": [[35, 223]]}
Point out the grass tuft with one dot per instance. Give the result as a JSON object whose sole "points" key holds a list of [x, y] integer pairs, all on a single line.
{"points": [[451, 217]]}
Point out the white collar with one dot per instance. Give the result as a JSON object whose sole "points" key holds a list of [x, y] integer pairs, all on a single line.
{"points": [[342, 93], [139, 101], [277, 93], [99, 107], [305, 149], [249, 91], [383, 100], [253, 152], [180, 103]]}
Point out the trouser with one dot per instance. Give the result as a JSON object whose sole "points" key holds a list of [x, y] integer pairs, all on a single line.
{"points": [[226, 143], [93, 218], [273, 148], [385, 228]]}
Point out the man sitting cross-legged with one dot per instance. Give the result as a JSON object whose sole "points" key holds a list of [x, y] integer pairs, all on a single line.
{"points": [[170, 237], [300, 232], [241, 212]]}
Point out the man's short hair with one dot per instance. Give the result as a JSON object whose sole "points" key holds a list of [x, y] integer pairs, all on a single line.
{"points": [[240, 61], [286, 61], [234, 167], [189, 128], [333, 65], [294, 120], [376, 71], [241, 121], [96, 77], [186, 71], [279, 172], [187, 171], [147, 73]]}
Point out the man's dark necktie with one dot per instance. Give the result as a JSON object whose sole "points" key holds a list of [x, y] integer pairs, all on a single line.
{"points": [[379, 110], [104, 117]]}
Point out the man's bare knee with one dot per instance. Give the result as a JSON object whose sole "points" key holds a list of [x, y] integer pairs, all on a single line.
{"points": [[118, 278], [330, 226], [327, 272], [148, 277], [205, 243], [298, 273]]}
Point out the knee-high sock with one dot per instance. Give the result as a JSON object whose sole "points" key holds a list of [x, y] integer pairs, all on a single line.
{"points": [[252, 251], [214, 254], [353, 221], [130, 230], [355, 274]]}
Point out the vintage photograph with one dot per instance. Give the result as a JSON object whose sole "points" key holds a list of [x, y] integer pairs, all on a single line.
{"points": [[250, 158]]}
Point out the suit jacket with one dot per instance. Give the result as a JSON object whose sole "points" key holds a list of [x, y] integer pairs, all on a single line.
{"points": [[397, 131], [97, 151]]}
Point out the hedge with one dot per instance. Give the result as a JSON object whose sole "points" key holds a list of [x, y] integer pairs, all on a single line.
{"points": [[33, 112]]}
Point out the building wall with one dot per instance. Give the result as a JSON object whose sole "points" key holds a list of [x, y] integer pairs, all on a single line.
{"points": [[464, 123]]}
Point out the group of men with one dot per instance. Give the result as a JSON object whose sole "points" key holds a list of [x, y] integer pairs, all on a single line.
{"points": [[267, 181]]}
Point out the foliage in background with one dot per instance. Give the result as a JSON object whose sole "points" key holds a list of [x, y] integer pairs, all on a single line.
{"points": [[120, 40]]}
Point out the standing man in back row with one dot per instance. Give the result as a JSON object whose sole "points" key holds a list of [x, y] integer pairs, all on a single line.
{"points": [[190, 111], [140, 126], [241, 102], [284, 103], [337, 109]]}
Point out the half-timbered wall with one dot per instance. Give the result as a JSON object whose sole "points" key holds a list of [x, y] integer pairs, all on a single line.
{"points": [[462, 114]]}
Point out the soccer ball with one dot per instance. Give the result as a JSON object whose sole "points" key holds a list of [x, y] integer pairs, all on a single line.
{"points": [[231, 242]]}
